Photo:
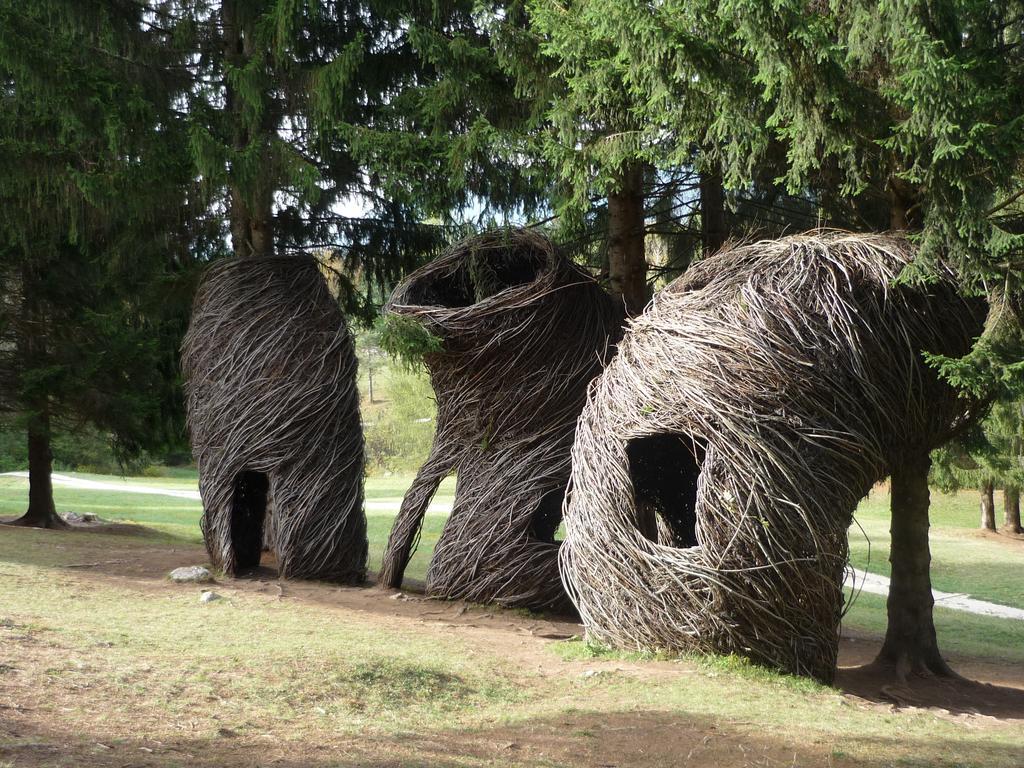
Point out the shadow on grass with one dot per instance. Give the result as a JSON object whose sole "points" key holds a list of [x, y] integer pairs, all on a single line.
{"points": [[957, 695], [105, 543], [638, 739]]}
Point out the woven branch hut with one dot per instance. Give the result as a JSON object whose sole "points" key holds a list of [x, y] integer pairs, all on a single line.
{"points": [[522, 332], [721, 455], [273, 411]]}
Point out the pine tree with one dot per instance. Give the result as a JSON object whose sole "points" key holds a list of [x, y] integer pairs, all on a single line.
{"points": [[599, 143], [456, 139], [990, 456], [298, 110], [644, 106], [94, 200]]}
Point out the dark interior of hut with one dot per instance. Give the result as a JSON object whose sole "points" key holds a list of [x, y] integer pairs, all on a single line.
{"points": [[665, 469], [248, 515], [548, 516], [478, 276]]}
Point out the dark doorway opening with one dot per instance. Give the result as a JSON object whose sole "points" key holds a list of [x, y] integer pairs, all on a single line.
{"points": [[248, 516], [548, 516], [665, 470]]}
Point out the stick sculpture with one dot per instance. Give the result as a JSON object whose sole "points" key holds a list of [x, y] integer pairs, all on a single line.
{"points": [[721, 455], [522, 332], [274, 415]]}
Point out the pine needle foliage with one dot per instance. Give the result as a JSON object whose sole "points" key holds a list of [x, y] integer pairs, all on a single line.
{"points": [[97, 223]]}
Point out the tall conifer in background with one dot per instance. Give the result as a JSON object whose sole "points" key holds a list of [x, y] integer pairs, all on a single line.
{"points": [[273, 87], [988, 457], [455, 139], [344, 126], [643, 103], [96, 222]]}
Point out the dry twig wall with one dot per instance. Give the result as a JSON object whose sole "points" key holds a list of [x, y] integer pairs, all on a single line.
{"points": [[522, 333], [721, 455], [273, 412]]}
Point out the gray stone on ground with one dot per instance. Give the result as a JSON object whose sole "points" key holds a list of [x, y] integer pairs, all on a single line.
{"points": [[193, 574], [74, 518], [208, 596]]}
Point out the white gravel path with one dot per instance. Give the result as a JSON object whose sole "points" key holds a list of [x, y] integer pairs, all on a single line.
{"points": [[879, 585], [123, 487], [372, 505]]}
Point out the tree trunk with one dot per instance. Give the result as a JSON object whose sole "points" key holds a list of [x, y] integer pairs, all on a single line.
{"points": [[32, 354], [261, 222], [627, 265], [898, 214], [251, 206], [238, 213], [42, 513], [902, 201], [1011, 509], [713, 230], [988, 506], [910, 646]]}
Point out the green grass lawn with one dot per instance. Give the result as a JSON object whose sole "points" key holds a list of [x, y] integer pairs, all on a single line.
{"points": [[133, 667], [395, 486], [962, 560], [180, 517], [960, 634]]}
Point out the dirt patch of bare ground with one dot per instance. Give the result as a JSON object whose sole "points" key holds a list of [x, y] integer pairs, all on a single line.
{"points": [[618, 740]]}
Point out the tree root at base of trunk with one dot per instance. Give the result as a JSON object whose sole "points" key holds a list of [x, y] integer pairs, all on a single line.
{"points": [[904, 668], [51, 522]]}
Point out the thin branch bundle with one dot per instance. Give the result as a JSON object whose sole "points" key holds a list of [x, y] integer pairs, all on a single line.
{"points": [[522, 333], [721, 455], [274, 416]]}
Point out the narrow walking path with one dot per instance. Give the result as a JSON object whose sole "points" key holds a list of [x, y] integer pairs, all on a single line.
{"points": [[873, 583], [97, 485], [79, 483]]}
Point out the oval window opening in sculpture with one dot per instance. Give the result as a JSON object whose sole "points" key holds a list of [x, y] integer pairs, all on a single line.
{"points": [[665, 470], [487, 271], [248, 517]]}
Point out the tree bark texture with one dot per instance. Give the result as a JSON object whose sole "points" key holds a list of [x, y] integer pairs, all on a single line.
{"points": [[1011, 509], [713, 229], [627, 264], [910, 646], [32, 344], [251, 208], [42, 512], [902, 202], [988, 506]]}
